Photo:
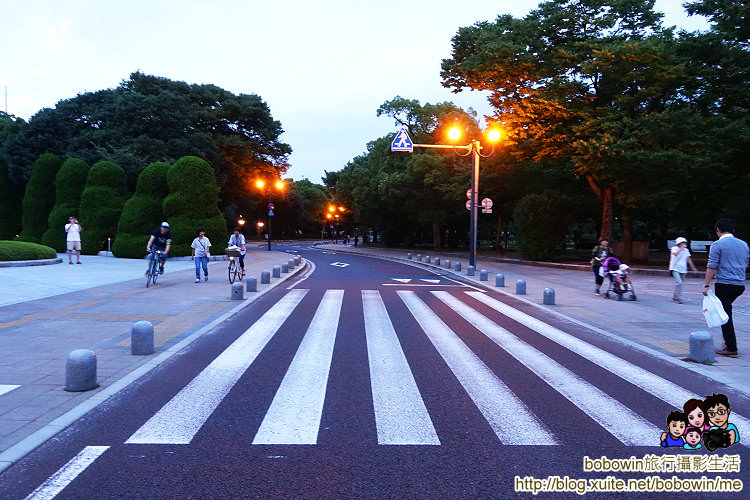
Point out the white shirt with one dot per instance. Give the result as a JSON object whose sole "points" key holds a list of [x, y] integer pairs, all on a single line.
{"points": [[74, 232], [679, 262], [238, 241], [201, 246]]}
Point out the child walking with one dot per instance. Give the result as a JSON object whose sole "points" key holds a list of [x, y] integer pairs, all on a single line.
{"points": [[200, 252]]}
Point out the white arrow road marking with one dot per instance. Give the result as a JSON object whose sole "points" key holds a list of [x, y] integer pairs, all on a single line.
{"points": [[402, 280], [340, 264], [400, 413], [4, 389], [430, 281], [67, 473]]}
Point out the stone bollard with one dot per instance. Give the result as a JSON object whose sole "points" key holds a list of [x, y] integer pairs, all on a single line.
{"points": [[447, 263], [482, 275], [427, 259], [142, 338], [284, 268], [456, 266], [290, 264], [548, 297], [408, 255], [265, 278], [437, 261], [520, 287], [252, 284], [237, 291], [276, 272], [702, 347], [500, 280], [419, 257], [469, 270], [80, 371]]}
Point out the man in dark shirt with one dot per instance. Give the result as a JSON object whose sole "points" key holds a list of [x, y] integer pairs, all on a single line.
{"points": [[161, 239]]}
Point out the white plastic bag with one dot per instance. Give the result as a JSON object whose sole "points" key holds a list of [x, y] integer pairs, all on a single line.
{"points": [[714, 311]]}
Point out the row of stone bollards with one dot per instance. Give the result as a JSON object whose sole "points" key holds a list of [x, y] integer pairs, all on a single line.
{"points": [[81, 364]]}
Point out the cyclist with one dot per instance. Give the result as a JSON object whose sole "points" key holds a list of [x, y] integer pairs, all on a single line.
{"points": [[161, 239], [238, 239]]}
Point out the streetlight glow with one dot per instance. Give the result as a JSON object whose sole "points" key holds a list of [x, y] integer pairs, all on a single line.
{"points": [[260, 224], [329, 216], [279, 185], [454, 133], [260, 184], [493, 135], [331, 208], [241, 221], [341, 209]]}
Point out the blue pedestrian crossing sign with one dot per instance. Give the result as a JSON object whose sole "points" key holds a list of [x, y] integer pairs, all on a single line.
{"points": [[270, 213], [402, 142]]}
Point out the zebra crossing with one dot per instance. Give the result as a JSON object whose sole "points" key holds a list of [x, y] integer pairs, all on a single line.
{"points": [[400, 414]]}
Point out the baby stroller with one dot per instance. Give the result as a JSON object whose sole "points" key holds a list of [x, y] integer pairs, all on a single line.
{"points": [[619, 279]]}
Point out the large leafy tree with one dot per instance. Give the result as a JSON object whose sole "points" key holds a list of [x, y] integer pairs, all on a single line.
{"points": [[39, 197]]}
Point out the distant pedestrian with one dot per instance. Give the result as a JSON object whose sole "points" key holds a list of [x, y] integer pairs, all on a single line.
{"points": [[599, 255], [679, 259], [356, 240], [200, 253], [73, 239], [238, 239], [727, 261]]}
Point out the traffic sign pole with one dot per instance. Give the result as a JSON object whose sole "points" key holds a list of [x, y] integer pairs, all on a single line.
{"points": [[474, 195]]}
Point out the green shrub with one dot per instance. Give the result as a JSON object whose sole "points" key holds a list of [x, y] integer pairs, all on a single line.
{"points": [[10, 206], [22, 250], [101, 204], [70, 181], [541, 222], [142, 213], [191, 204], [39, 197]]}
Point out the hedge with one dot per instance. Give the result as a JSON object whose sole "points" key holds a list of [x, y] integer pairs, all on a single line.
{"points": [[192, 204], [22, 250], [101, 204], [142, 213], [70, 181], [39, 197], [10, 206], [540, 222]]}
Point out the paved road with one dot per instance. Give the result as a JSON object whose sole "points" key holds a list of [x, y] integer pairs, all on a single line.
{"points": [[373, 379]]}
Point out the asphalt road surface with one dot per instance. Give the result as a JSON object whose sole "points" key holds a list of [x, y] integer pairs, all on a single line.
{"points": [[374, 379]]}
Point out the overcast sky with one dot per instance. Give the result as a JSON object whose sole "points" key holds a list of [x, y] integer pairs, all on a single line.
{"points": [[322, 66]]}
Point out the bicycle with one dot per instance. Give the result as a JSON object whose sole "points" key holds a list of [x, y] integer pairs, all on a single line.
{"points": [[234, 270], [153, 271]]}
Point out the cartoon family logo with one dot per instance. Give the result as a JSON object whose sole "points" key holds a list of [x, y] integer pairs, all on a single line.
{"points": [[689, 427]]}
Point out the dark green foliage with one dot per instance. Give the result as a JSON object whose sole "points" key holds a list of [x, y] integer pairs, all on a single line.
{"points": [[191, 204], [70, 181], [10, 206], [541, 222], [39, 197], [142, 213], [101, 205], [21, 250]]}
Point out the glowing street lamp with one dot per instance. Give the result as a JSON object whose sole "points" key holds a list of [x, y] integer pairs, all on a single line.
{"points": [[261, 184], [241, 221]]}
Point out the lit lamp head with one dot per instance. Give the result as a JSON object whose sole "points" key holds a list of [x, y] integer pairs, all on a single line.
{"points": [[329, 216], [260, 184], [241, 221], [260, 224], [331, 208], [341, 209], [279, 185], [454, 133], [493, 135]]}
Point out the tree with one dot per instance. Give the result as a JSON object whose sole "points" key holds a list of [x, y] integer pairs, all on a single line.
{"points": [[142, 212], [101, 204], [10, 206], [39, 197], [191, 203], [541, 222], [69, 183]]}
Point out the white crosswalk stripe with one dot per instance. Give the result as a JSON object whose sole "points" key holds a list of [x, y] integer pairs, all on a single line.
{"points": [[179, 420], [400, 413], [294, 415]]}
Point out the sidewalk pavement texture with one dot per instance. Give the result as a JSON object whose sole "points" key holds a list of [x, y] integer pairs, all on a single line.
{"points": [[653, 322], [48, 311]]}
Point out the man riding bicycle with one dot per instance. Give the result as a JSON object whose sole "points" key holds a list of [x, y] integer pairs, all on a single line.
{"points": [[161, 239]]}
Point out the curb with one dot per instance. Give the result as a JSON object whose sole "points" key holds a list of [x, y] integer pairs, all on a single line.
{"points": [[24, 263], [614, 337], [39, 437]]}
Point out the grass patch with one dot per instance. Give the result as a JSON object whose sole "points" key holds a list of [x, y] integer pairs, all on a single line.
{"points": [[22, 250]]}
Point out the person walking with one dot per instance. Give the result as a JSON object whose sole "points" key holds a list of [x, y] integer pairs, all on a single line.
{"points": [[598, 255], [200, 253], [73, 239], [727, 261], [238, 239], [679, 259]]}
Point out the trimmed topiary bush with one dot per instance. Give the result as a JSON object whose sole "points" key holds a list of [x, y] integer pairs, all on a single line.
{"points": [[70, 181], [39, 197], [22, 250], [10, 206], [541, 222], [101, 204], [142, 213], [191, 204]]}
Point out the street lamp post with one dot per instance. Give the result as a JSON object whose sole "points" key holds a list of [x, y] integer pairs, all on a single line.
{"points": [[402, 142], [260, 184]]}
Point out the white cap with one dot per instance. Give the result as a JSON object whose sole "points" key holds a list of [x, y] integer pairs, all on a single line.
{"points": [[680, 240], [165, 224], [624, 267]]}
